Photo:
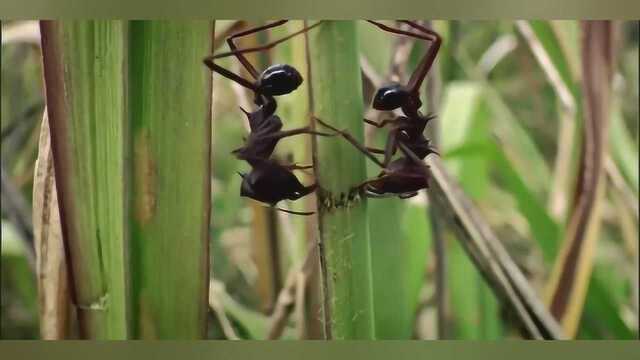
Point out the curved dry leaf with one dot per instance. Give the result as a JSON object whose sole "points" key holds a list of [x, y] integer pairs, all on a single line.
{"points": [[51, 268], [569, 280]]}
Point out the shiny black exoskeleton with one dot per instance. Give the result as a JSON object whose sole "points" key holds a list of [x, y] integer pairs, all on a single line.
{"points": [[406, 175], [270, 182], [278, 80], [403, 177]]}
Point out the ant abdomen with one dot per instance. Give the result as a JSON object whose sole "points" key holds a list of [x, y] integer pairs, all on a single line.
{"points": [[390, 97], [278, 80]]}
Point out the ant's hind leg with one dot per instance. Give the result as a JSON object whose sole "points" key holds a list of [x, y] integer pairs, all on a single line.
{"points": [[298, 167], [375, 150], [352, 140]]}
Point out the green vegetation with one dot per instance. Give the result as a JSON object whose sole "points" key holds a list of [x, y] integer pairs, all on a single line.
{"points": [[140, 163]]}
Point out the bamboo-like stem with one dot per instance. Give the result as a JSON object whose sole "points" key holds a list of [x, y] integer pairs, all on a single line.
{"points": [[85, 90], [336, 97], [170, 93]]}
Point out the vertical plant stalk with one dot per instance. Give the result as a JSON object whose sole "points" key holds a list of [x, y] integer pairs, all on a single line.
{"points": [[570, 278], [85, 92], [170, 115], [336, 97]]}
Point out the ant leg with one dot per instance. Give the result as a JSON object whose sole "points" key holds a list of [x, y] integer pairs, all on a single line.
{"points": [[353, 142], [391, 147], [229, 74], [286, 133], [374, 150], [209, 60], [268, 46], [411, 155], [425, 65], [243, 60], [427, 35], [381, 124], [427, 61]]}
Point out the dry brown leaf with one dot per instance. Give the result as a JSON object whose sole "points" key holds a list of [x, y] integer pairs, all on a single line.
{"points": [[569, 280], [51, 268]]}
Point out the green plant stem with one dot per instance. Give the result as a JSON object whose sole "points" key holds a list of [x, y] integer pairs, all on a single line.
{"points": [[336, 93], [85, 93], [170, 94]]}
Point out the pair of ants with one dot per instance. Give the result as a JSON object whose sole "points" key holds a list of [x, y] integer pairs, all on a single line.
{"points": [[269, 181]]}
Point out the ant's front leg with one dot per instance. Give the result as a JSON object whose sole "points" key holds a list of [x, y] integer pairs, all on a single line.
{"points": [[375, 150], [239, 55], [298, 167], [352, 140], [427, 61], [381, 124], [229, 74], [239, 52], [286, 133]]}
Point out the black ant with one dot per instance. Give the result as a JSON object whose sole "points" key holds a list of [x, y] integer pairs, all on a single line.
{"points": [[407, 129], [268, 181], [404, 176]]}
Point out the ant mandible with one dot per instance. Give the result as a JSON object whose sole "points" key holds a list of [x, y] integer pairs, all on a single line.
{"points": [[268, 181]]}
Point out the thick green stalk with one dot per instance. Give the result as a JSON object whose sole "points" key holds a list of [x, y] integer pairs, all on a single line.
{"points": [[336, 93], [169, 92], [83, 64]]}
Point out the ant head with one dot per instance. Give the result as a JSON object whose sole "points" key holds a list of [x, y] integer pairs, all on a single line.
{"points": [[279, 80], [391, 97]]}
